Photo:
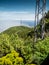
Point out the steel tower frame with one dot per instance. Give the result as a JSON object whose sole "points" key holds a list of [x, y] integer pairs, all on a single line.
{"points": [[40, 10]]}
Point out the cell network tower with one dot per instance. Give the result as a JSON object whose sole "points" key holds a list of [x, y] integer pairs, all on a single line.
{"points": [[40, 11]]}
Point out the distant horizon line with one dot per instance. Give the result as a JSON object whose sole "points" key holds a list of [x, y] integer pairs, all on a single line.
{"points": [[17, 20]]}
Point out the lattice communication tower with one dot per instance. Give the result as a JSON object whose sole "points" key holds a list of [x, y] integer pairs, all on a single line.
{"points": [[40, 14]]}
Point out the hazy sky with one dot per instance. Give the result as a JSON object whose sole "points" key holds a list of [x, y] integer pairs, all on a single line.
{"points": [[18, 9], [12, 10]]}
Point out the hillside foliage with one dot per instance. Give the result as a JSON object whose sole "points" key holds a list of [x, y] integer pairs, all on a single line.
{"points": [[13, 42], [16, 46]]}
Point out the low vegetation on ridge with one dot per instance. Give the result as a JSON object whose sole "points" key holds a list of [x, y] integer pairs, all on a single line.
{"points": [[16, 46]]}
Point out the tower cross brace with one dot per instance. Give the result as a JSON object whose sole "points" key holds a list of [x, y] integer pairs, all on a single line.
{"points": [[40, 12]]}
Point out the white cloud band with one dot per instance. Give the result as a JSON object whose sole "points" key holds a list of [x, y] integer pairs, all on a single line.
{"points": [[16, 15]]}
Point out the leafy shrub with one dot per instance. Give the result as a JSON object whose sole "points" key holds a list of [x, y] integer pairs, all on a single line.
{"points": [[5, 45], [11, 42], [12, 59], [41, 50]]}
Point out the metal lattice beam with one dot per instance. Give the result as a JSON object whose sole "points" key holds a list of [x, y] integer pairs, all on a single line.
{"points": [[40, 10]]}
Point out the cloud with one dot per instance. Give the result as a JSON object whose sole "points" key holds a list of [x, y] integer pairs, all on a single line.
{"points": [[7, 24], [10, 19], [6, 15]]}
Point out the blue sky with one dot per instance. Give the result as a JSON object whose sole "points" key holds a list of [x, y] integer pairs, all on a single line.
{"points": [[17, 5], [18, 9], [12, 10]]}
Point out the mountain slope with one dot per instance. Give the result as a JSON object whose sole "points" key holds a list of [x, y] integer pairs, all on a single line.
{"points": [[22, 31], [13, 39]]}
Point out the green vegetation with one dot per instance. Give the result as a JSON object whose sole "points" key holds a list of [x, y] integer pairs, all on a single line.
{"points": [[20, 30], [16, 46], [13, 42], [12, 59]]}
